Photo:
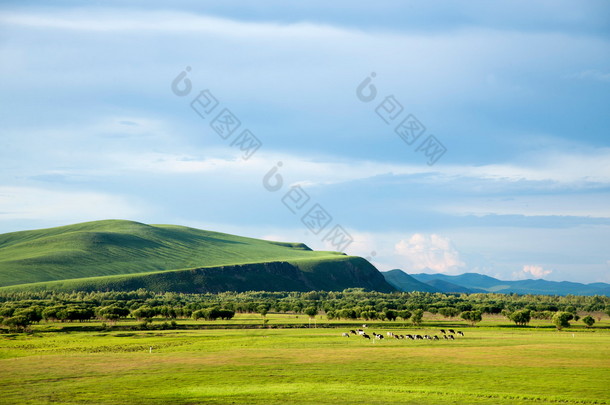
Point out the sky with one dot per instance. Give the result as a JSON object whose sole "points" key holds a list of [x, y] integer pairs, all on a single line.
{"points": [[441, 137]]}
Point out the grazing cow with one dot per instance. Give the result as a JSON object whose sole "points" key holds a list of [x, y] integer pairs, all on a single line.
{"points": [[443, 331], [390, 334], [397, 337], [459, 332], [364, 335], [401, 336], [435, 337], [427, 337], [452, 331], [451, 337], [418, 337], [410, 337], [345, 334], [353, 332], [445, 336], [360, 331], [378, 336], [364, 326]]}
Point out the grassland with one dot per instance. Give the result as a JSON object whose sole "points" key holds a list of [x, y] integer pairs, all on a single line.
{"points": [[492, 364]]}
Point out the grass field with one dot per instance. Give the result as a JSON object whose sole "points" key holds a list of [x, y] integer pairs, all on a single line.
{"points": [[490, 365]]}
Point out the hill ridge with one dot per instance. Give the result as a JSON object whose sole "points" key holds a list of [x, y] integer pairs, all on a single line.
{"points": [[126, 248]]}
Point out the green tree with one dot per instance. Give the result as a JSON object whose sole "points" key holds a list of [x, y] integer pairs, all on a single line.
{"points": [[521, 318], [417, 316], [404, 314], [200, 314], [226, 314], [311, 312], [112, 313], [144, 312], [588, 320], [391, 315], [17, 323], [263, 309], [561, 320], [472, 316], [448, 312], [32, 314]]}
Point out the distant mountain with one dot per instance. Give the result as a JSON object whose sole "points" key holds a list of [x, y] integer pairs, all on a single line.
{"points": [[126, 255], [404, 282], [481, 283], [447, 287], [472, 280]]}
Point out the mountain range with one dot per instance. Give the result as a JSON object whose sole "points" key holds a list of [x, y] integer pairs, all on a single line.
{"points": [[125, 255], [479, 283]]}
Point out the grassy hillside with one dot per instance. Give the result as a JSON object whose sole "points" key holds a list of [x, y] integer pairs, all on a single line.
{"points": [[121, 255]]}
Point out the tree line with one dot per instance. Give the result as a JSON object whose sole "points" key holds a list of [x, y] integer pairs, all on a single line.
{"points": [[20, 309]]}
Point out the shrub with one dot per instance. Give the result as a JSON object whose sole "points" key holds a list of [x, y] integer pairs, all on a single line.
{"points": [[561, 320], [522, 317]]}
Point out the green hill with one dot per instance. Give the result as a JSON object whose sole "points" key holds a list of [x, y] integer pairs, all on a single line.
{"points": [[119, 255]]}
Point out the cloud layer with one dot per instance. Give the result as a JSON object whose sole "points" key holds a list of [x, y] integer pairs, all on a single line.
{"points": [[517, 93]]}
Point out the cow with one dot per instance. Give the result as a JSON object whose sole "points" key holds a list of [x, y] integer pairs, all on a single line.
{"points": [[390, 334], [364, 335], [452, 331], [459, 332], [435, 337], [345, 334], [451, 337], [410, 337], [353, 332], [443, 331]]}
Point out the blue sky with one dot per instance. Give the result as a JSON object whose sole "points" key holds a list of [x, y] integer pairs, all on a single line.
{"points": [[516, 92]]}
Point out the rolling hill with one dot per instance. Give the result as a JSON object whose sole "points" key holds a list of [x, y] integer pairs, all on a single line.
{"points": [[120, 255], [404, 282]]}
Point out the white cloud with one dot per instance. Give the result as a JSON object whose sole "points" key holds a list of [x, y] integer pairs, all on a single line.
{"points": [[531, 270], [29, 203], [433, 252], [565, 169], [109, 20]]}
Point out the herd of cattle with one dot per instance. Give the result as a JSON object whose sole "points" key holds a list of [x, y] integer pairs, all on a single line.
{"points": [[448, 334]]}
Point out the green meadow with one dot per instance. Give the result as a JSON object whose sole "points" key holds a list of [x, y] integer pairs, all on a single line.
{"points": [[492, 364]]}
